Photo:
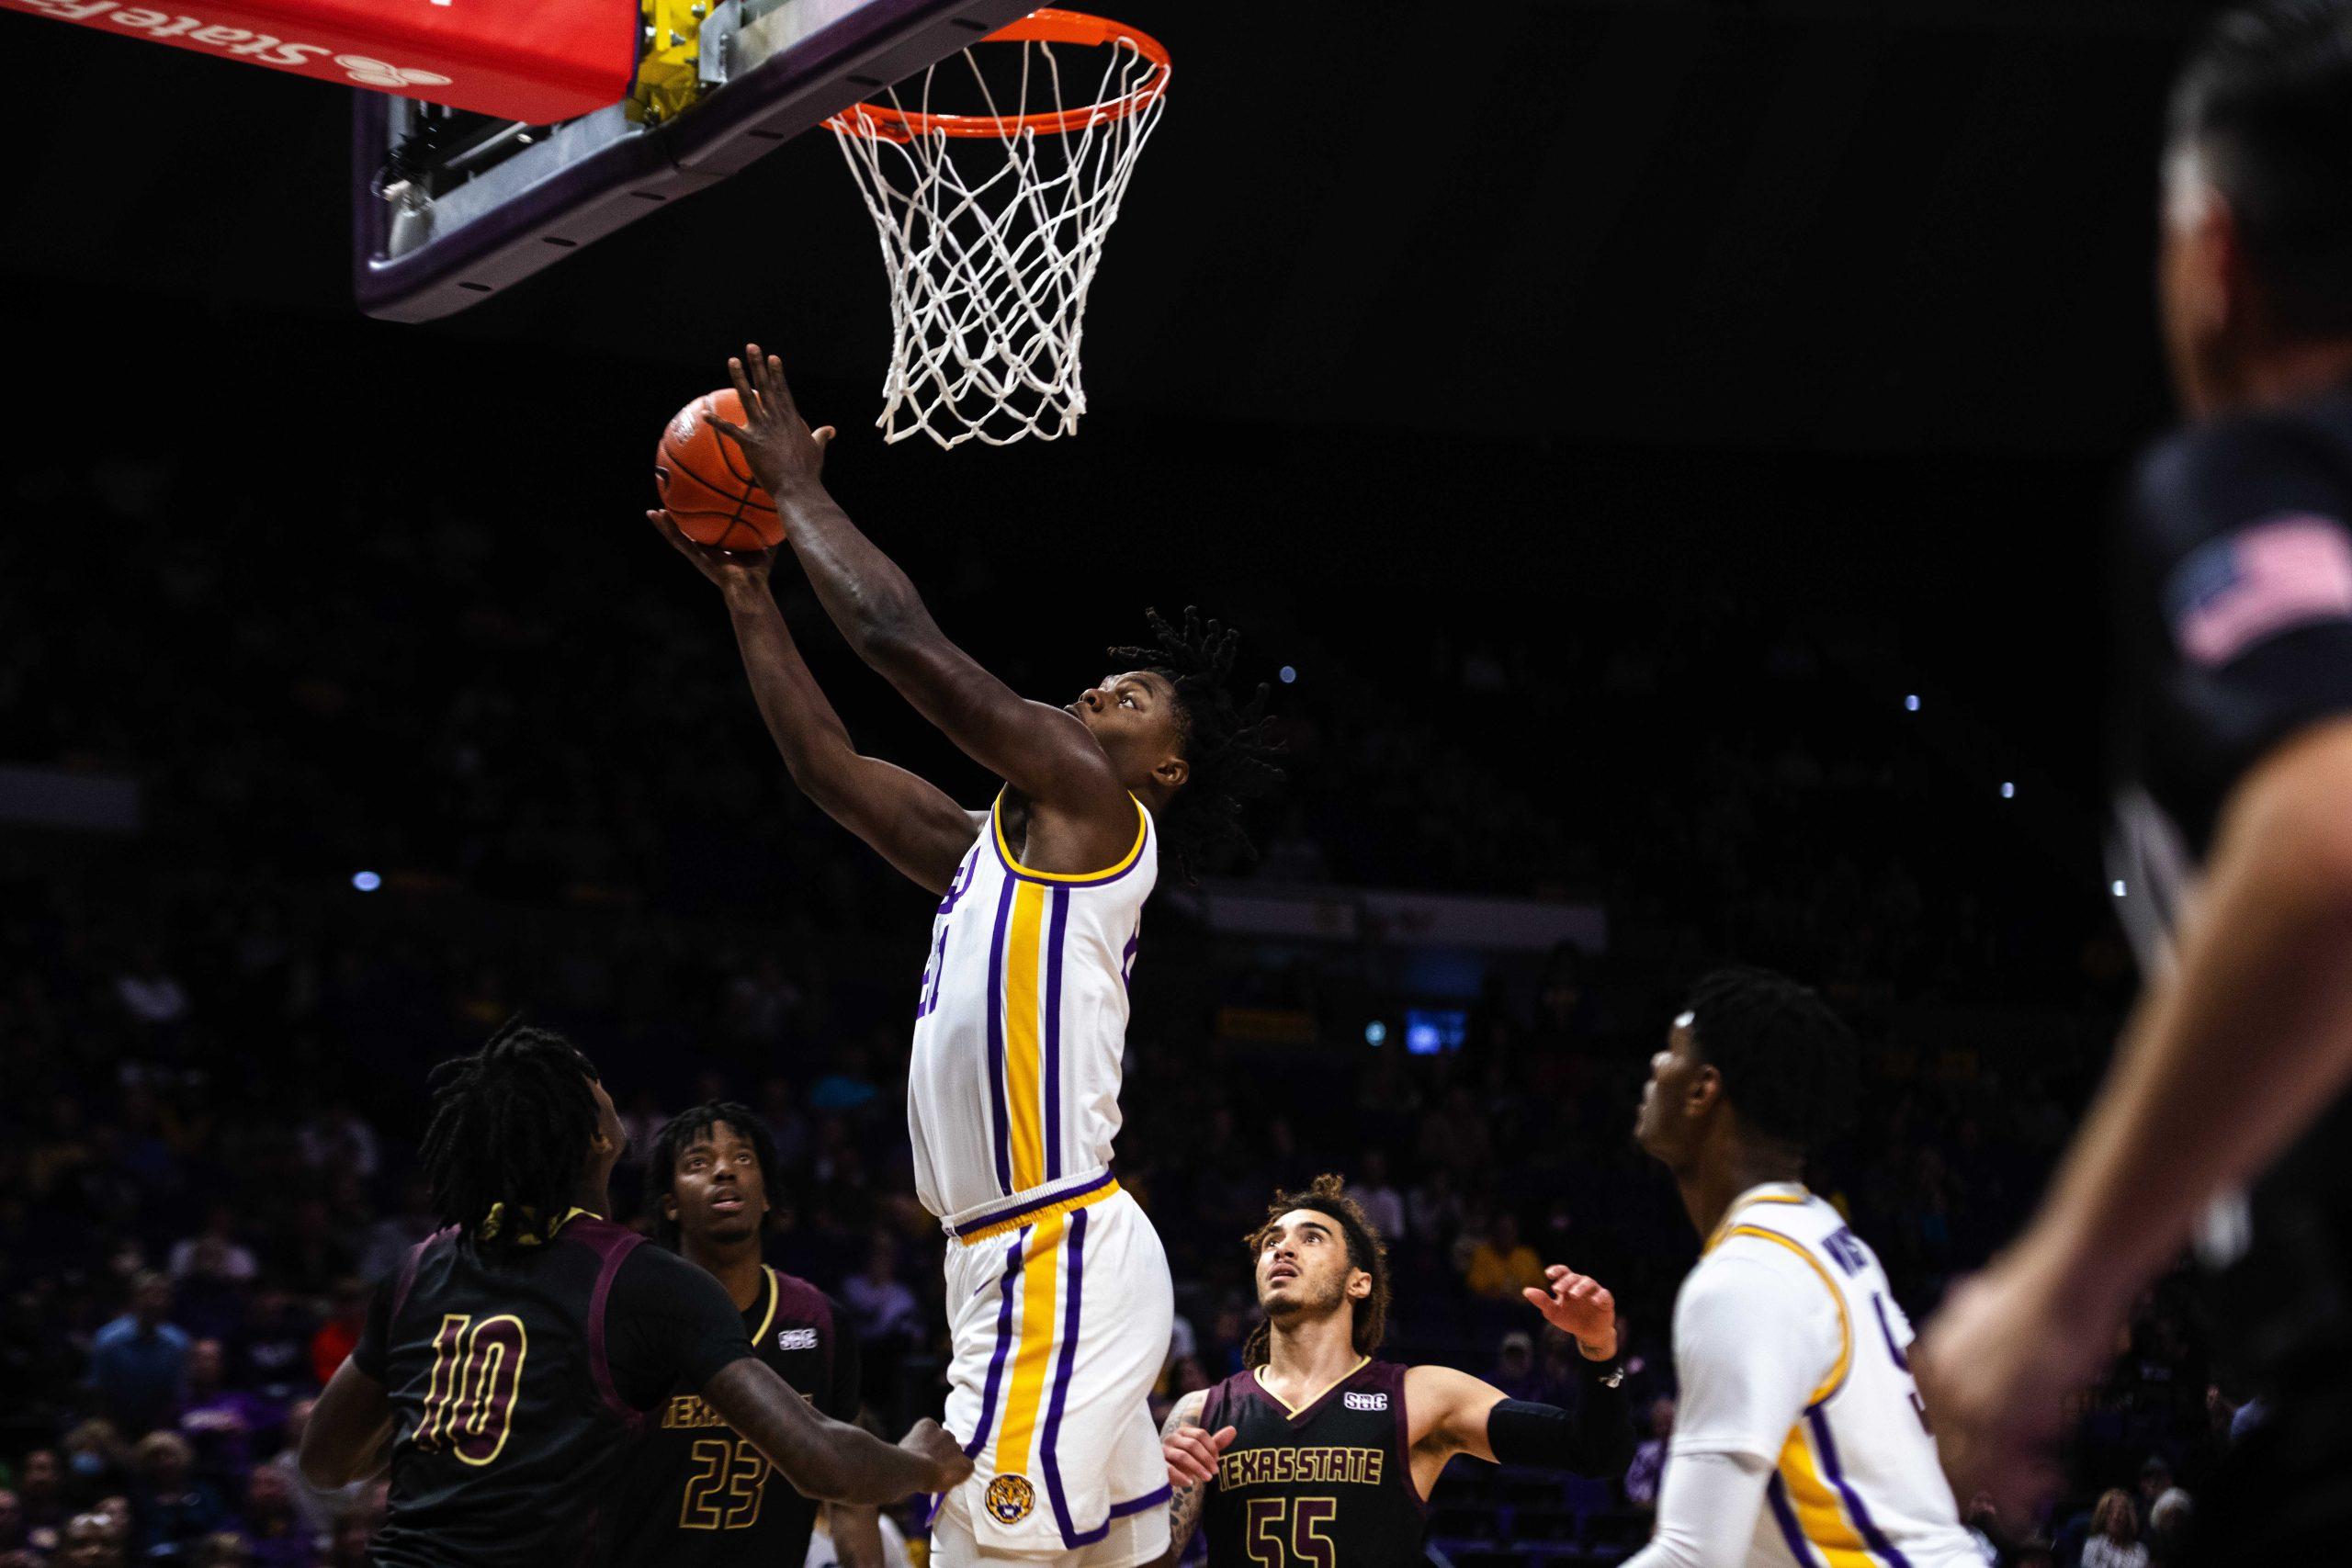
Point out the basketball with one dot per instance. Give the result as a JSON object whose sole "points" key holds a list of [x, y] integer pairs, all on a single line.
{"points": [[705, 482]]}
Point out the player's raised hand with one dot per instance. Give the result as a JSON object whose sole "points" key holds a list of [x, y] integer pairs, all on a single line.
{"points": [[1191, 1453], [785, 454], [1580, 1306], [930, 1442], [727, 569]]}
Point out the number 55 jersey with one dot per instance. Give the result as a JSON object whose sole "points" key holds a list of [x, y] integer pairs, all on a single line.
{"points": [[1789, 1350], [1329, 1484], [519, 1379]]}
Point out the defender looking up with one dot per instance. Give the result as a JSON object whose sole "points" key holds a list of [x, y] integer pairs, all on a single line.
{"points": [[505, 1368], [1316, 1452], [698, 1496]]}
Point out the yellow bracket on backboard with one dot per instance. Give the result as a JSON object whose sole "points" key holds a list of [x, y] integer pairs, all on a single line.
{"points": [[669, 74]]}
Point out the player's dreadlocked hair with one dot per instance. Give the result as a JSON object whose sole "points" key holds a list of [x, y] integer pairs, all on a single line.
{"points": [[1329, 1195], [688, 1128], [1228, 742], [1788, 1063], [510, 1134]]}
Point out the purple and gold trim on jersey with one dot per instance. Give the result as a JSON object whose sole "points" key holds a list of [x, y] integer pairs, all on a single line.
{"points": [[1822, 1517], [1025, 1032], [1012, 1083], [1061, 878], [1836, 1377], [1001, 1117]]}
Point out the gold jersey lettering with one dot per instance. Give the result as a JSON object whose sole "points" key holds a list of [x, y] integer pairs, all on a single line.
{"points": [[1289, 1466], [688, 1410]]}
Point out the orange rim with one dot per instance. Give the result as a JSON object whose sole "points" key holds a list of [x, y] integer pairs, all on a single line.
{"points": [[1048, 25]]}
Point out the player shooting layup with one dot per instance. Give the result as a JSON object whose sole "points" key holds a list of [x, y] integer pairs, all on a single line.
{"points": [[1057, 1287]]}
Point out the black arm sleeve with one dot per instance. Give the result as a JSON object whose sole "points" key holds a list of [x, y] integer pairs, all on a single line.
{"points": [[1596, 1441], [668, 1325], [375, 1335], [845, 1391]]}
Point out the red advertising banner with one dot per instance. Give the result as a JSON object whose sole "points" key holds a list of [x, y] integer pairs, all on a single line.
{"points": [[539, 61]]}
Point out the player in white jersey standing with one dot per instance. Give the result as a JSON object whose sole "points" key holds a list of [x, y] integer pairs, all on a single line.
{"points": [[1798, 1434], [1058, 1290]]}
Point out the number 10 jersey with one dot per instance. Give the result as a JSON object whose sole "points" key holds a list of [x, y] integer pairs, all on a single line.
{"points": [[518, 1381]]}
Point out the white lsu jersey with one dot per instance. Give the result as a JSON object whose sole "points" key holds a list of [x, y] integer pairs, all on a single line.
{"points": [[1021, 1024], [1793, 1349]]}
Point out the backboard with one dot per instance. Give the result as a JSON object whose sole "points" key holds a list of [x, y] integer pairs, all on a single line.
{"points": [[449, 207]]}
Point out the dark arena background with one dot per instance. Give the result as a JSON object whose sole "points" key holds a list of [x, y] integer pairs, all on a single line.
{"points": [[1659, 454]]}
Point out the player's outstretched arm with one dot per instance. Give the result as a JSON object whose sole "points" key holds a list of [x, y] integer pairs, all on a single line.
{"points": [[1044, 752], [1754, 1336], [2227, 1060], [1582, 1308], [1452, 1413], [345, 1441], [1707, 1505], [831, 1461], [1191, 1453], [908, 821]]}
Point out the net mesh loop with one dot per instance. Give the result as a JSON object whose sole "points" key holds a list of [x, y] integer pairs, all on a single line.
{"points": [[992, 224]]}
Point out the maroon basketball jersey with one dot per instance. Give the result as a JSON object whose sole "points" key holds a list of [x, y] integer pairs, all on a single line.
{"points": [[1326, 1485]]}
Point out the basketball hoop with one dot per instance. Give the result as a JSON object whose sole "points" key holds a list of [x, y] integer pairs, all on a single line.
{"points": [[992, 224]]}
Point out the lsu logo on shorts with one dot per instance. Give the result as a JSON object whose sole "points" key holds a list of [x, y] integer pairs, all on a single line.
{"points": [[1010, 1498]]}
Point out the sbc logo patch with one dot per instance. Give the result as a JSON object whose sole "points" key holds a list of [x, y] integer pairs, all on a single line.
{"points": [[795, 1339], [1366, 1401], [1010, 1498]]}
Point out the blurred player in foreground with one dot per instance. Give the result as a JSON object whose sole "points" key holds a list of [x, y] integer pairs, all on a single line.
{"points": [[696, 1494], [1057, 1290], [1318, 1453], [1798, 1437], [506, 1367], [2236, 577]]}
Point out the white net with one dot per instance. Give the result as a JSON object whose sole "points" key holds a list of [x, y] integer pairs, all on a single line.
{"points": [[992, 240]]}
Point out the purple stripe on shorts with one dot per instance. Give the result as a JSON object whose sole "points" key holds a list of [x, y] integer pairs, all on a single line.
{"points": [[1061, 924], [1786, 1518], [1046, 1199], [1861, 1516], [996, 1038], [1137, 1504], [1061, 1387], [1004, 1344]]}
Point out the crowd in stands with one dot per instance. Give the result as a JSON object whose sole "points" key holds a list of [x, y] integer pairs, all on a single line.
{"points": [[217, 1045]]}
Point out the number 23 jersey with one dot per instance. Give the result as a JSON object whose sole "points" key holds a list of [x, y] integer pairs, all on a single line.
{"points": [[699, 1495], [519, 1380]]}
